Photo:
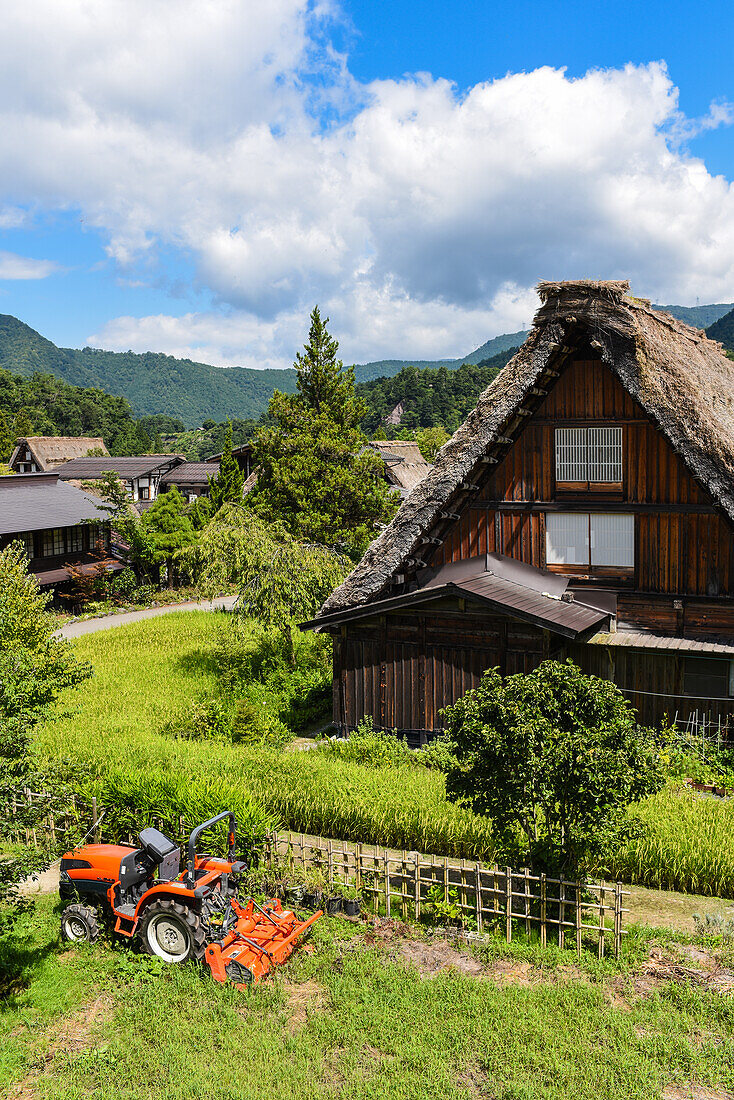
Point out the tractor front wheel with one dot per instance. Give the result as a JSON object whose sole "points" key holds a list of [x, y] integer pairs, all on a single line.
{"points": [[172, 931], [79, 924]]}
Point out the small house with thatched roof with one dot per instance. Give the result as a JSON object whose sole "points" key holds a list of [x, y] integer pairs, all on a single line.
{"points": [[405, 466], [585, 509], [40, 453]]}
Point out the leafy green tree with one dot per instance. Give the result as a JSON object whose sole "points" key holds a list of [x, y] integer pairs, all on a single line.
{"points": [[554, 757], [226, 487], [431, 440], [7, 438], [281, 580], [315, 475], [125, 520], [169, 529], [34, 667], [200, 512]]}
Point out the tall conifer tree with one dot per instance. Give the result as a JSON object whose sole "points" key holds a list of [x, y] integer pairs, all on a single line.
{"points": [[226, 487]]}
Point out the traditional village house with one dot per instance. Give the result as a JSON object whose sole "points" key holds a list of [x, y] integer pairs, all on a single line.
{"points": [[41, 453], [585, 509], [405, 466], [190, 478], [242, 455], [58, 524], [140, 474]]}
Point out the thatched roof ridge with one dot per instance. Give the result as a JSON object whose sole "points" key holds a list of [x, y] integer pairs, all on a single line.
{"points": [[50, 451], [681, 379]]}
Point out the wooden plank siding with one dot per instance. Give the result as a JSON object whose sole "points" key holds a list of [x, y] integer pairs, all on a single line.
{"points": [[404, 667], [688, 550]]}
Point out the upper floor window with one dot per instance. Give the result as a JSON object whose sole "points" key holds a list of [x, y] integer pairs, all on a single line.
{"points": [[589, 541], [588, 457]]}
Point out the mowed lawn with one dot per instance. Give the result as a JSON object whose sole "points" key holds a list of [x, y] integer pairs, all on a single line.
{"points": [[378, 1011]]}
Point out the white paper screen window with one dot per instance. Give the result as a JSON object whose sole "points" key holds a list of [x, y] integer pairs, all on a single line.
{"points": [[589, 454], [567, 538], [613, 539], [571, 454]]}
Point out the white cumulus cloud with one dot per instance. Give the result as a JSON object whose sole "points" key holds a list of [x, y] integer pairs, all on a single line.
{"points": [[13, 266], [418, 217]]}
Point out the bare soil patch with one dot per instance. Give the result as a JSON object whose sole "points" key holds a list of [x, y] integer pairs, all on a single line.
{"points": [[695, 1092], [303, 1000], [663, 967]]}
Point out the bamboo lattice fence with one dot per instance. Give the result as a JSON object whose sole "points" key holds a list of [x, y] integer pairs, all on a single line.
{"points": [[497, 899]]}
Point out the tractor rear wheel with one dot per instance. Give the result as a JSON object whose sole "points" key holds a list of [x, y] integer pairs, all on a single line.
{"points": [[172, 931], [79, 924]]}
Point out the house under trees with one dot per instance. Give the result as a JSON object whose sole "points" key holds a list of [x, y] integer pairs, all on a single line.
{"points": [[585, 509]]}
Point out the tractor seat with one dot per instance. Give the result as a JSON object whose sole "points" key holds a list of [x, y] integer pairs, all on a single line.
{"points": [[164, 853]]}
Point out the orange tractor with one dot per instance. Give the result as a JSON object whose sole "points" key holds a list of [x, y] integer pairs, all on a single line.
{"points": [[178, 915]]}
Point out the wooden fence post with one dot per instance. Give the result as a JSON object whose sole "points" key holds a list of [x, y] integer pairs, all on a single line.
{"points": [[386, 865], [417, 884], [404, 886], [526, 872], [577, 908], [617, 920], [478, 894], [508, 904], [543, 936], [602, 895], [561, 913]]}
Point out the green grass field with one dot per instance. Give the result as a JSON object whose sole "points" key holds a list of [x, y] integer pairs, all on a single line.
{"points": [[148, 673], [376, 1012]]}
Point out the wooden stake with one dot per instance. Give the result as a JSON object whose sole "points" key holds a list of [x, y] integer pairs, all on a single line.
{"points": [[542, 909], [478, 894], [561, 913], [508, 904]]}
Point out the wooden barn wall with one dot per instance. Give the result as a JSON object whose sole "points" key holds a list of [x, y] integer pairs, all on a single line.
{"points": [[404, 668], [651, 681], [678, 552]]}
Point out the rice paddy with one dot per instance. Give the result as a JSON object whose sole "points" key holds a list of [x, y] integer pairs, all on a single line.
{"points": [[148, 673]]}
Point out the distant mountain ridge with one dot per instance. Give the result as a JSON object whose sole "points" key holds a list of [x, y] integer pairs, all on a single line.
{"points": [[155, 383]]}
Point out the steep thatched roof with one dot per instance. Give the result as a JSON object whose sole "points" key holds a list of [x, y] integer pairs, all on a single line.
{"points": [[405, 466], [682, 380], [49, 451]]}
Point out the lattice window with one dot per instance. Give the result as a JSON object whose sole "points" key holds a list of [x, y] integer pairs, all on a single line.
{"points": [[567, 538], [589, 455], [75, 540], [53, 542]]}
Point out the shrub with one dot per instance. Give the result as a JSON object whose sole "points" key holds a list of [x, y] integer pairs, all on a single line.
{"points": [[554, 756], [372, 747], [124, 585]]}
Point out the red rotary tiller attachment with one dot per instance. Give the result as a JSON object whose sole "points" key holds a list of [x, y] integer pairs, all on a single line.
{"points": [[254, 939]]}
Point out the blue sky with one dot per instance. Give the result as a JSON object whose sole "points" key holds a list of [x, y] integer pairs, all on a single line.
{"points": [[180, 181]]}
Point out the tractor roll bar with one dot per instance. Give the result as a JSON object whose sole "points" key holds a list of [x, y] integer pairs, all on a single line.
{"points": [[197, 833]]}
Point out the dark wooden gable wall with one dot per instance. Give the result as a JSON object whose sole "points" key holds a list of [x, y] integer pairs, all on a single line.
{"points": [[682, 545]]}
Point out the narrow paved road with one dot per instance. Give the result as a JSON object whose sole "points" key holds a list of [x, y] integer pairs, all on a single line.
{"points": [[90, 626]]}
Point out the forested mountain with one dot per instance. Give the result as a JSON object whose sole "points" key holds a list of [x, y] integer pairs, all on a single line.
{"points": [[430, 396], [698, 316], [723, 330], [180, 389], [387, 368], [44, 405], [151, 382]]}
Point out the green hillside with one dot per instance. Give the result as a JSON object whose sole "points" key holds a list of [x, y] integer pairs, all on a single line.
{"points": [[723, 330], [151, 382], [388, 368], [698, 316]]}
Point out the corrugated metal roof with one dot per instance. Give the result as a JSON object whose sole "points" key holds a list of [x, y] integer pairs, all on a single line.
{"points": [[132, 466], [191, 473], [532, 596], [37, 502], [629, 639]]}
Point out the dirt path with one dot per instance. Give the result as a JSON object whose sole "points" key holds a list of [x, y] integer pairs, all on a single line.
{"points": [[106, 622]]}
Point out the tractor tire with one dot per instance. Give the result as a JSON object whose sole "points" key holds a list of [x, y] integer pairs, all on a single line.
{"points": [[172, 932], [79, 924]]}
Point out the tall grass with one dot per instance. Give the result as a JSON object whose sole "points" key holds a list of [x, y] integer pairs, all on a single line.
{"points": [[146, 674], [686, 843]]}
